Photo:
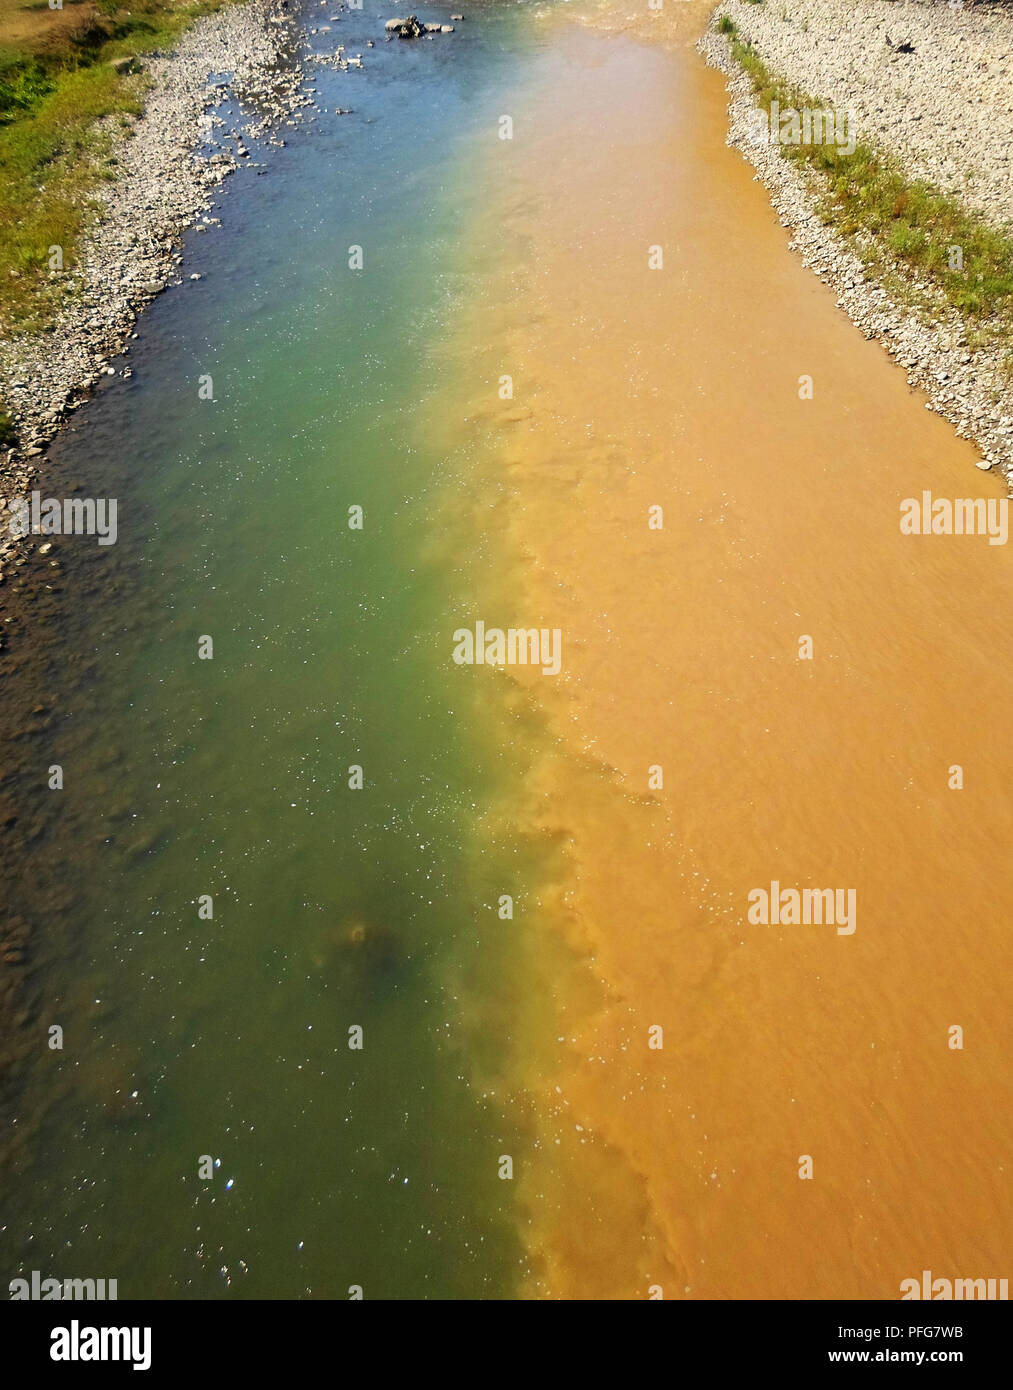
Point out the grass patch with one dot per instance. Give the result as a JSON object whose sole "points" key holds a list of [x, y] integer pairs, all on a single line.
{"points": [[53, 88], [894, 222], [22, 85], [8, 433]]}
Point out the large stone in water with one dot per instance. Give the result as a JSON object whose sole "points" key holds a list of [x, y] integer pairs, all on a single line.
{"points": [[363, 953], [410, 28]]}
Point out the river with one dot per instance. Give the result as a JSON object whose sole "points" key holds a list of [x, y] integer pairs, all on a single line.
{"points": [[509, 1126]]}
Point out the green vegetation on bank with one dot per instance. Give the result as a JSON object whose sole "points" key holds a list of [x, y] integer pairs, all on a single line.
{"points": [[56, 79], [894, 223]]}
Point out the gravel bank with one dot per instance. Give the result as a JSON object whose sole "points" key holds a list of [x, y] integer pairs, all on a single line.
{"points": [[170, 165], [944, 109]]}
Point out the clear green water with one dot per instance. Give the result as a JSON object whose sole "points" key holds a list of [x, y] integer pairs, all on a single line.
{"points": [[186, 1037]]}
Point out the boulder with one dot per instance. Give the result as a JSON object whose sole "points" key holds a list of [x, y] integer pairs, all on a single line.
{"points": [[409, 28]]}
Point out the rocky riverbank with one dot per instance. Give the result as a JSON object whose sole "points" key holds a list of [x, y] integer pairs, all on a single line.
{"points": [[170, 161], [930, 84]]}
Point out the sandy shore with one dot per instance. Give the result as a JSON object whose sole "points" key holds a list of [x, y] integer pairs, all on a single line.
{"points": [[945, 111], [171, 161]]}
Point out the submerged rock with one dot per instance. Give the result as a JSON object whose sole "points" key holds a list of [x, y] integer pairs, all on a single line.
{"points": [[360, 952]]}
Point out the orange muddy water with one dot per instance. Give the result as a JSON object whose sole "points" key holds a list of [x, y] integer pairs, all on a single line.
{"points": [[678, 1167]]}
